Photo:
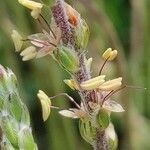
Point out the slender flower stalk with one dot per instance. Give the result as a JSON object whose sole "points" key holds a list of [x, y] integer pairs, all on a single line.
{"points": [[66, 41]]}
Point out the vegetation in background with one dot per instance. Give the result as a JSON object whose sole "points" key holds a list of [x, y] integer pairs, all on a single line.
{"points": [[108, 26]]}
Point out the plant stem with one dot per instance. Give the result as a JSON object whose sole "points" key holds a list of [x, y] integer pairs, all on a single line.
{"points": [[100, 141]]}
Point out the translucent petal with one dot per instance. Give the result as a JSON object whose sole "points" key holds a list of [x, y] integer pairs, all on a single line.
{"points": [[113, 106]]}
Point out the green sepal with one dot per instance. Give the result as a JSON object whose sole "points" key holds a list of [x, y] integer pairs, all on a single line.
{"points": [[25, 140], [103, 119], [25, 118], [10, 128], [6, 145], [87, 131], [14, 105], [82, 35], [68, 59]]}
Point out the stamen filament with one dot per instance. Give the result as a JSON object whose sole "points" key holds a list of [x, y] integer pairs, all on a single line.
{"points": [[69, 97], [48, 25], [112, 93], [102, 67], [40, 42]]}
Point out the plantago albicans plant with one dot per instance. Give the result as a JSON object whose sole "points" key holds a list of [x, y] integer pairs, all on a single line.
{"points": [[65, 40]]}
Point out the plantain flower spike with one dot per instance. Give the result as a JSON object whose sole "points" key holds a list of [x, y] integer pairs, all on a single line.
{"points": [[110, 54], [17, 39], [45, 103], [111, 84], [35, 7]]}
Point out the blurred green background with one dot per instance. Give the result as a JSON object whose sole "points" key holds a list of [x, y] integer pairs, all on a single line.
{"points": [[120, 24]]}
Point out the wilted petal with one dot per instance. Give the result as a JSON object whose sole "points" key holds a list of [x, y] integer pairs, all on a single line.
{"points": [[38, 39], [44, 51], [113, 106], [68, 113], [79, 112]]}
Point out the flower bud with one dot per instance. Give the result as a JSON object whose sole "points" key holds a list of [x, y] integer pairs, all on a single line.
{"points": [[25, 117], [110, 54], [8, 125], [45, 103], [17, 39], [82, 34], [14, 106], [68, 59], [112, 106], [25, 139], [111, 137], [6, 145]]}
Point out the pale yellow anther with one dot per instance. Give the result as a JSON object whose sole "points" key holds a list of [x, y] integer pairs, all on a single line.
{"points": [[35, 13], [17, 39], [28, 53], [110, 54], [31, 4], [28, 50], [72, 84], [45, 103], [111, 84], [88, 63], [93, 83], [29, 57]]}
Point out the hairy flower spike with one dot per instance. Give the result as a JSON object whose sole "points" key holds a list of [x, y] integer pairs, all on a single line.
{"points": [[61, 20], [66, 39], [110, 54]]}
